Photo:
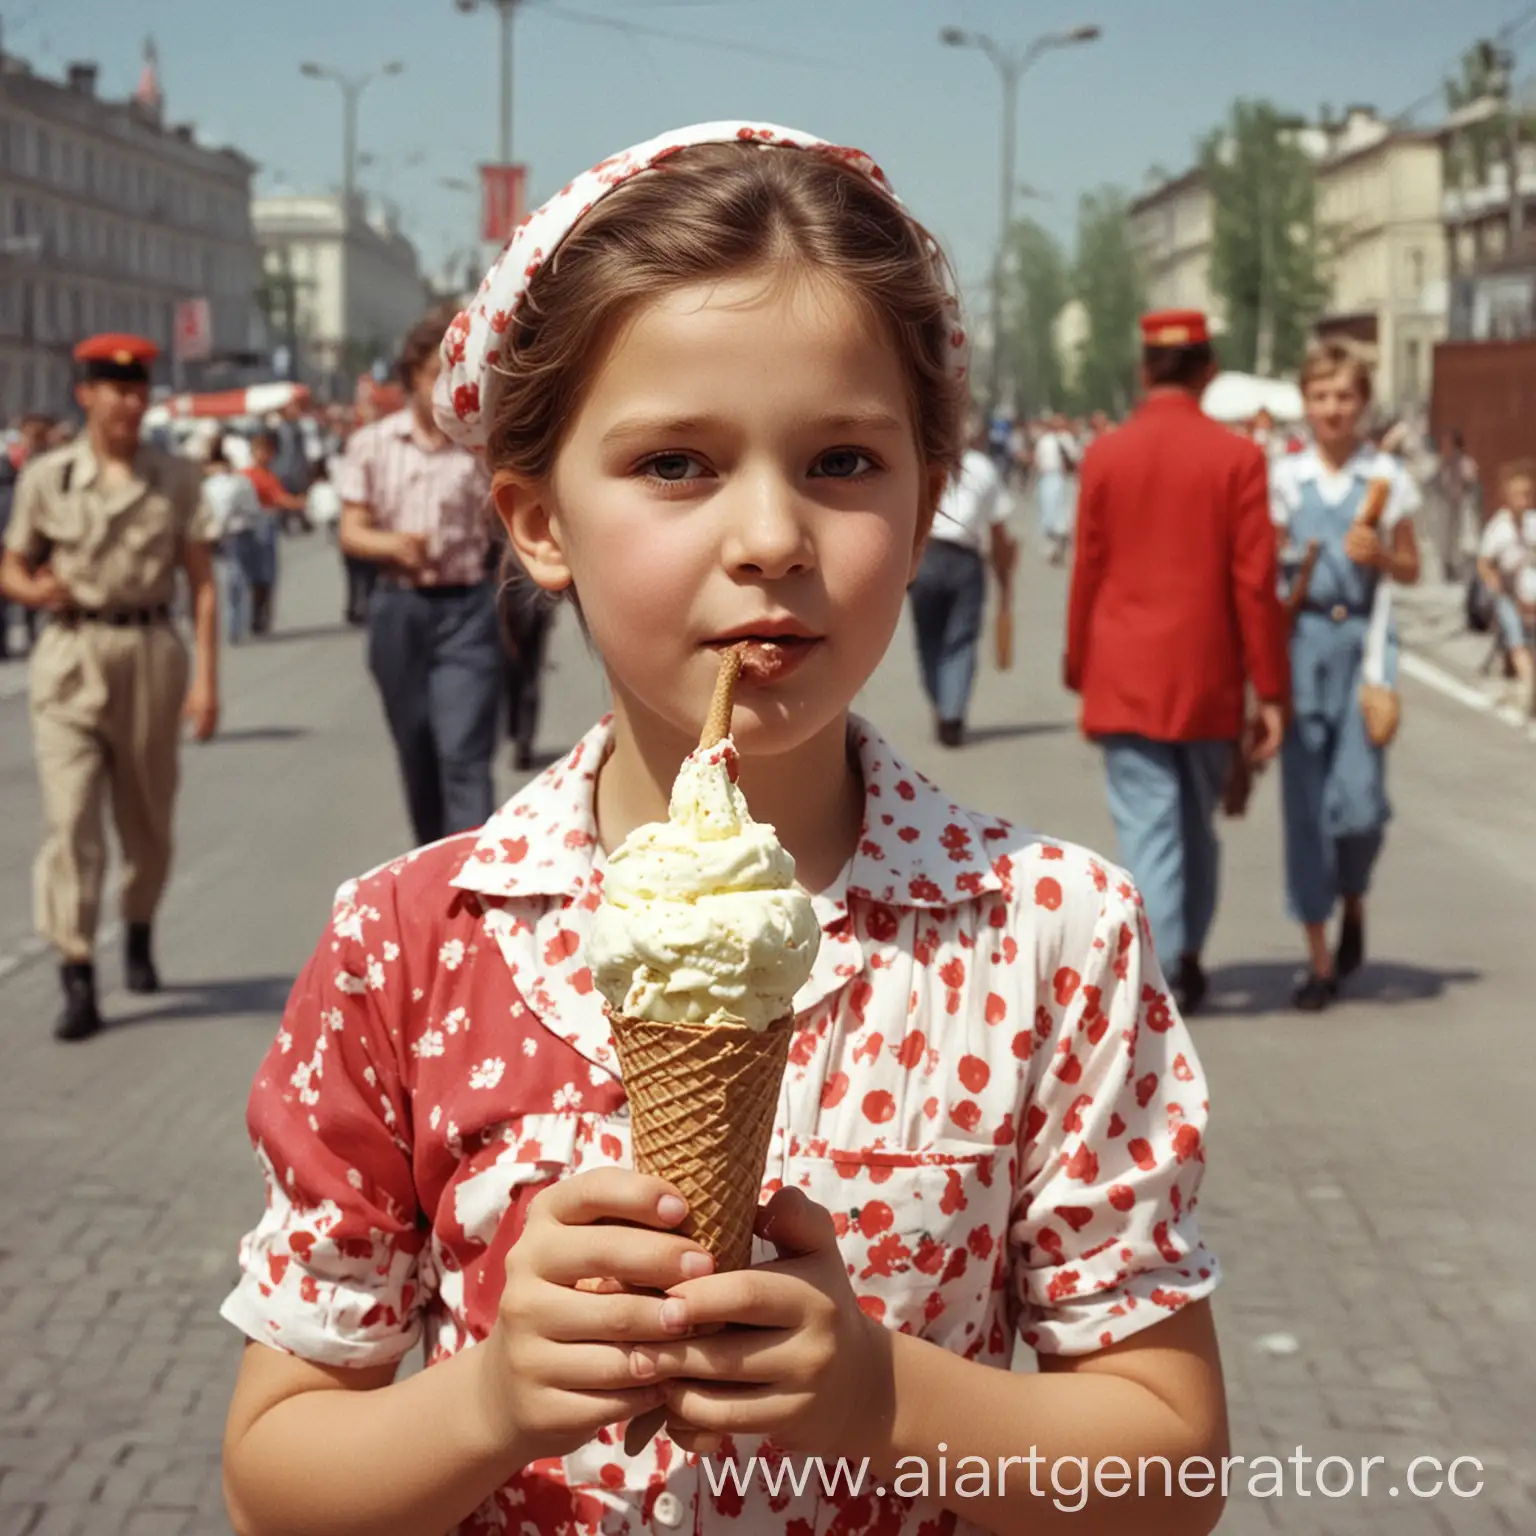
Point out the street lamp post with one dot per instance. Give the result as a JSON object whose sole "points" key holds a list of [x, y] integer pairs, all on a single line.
{"points": [[352, 88], [506, 11], [1011, 66]]}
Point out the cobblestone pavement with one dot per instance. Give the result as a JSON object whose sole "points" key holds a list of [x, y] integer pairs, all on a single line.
{"points": [[1371, 1178]]}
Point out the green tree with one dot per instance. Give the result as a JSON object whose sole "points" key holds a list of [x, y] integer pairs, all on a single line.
{"points": [[1107, 279], [1476, 149], [1268, 261], [1038, 288]]}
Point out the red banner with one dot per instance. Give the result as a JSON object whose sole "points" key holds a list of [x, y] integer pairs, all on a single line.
{"points": [[194, 330], [501, 201]]}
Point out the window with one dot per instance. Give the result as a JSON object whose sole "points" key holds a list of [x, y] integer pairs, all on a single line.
{"points": [[1413, 368], [67, 163], [44, 153], [89, 169], [1416, 271], [5, 143]]}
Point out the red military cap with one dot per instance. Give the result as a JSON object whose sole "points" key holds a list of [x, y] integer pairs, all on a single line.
{"points": [[1174, 328], [115, 355]]}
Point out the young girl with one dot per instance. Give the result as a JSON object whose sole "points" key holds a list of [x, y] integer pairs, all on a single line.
{"points": [[720, 380], [1506, 565], [1333, 779]]}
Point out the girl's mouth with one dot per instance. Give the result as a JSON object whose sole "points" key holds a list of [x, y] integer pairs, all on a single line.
{"points": [[769, 658]]}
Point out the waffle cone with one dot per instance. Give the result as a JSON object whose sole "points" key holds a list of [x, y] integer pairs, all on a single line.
{"points": [[702, 1099]]}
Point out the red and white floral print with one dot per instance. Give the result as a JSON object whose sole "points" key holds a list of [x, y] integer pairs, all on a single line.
{"points": [[465, 395], [989, 1088]]}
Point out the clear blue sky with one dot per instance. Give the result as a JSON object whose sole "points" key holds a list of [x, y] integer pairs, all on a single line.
{"points": [[868, 72]]}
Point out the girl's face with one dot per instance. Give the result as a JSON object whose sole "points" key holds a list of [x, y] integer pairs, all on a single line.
{"points": [[1334, 406], [1519, 493], [743, 465]]}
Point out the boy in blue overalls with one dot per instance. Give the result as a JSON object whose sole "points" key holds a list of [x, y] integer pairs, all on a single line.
{"points": [[1333, 778]]}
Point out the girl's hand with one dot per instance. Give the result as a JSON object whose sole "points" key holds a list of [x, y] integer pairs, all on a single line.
{"points": [[1363, 546], [556, 1368], [794, 1358]]}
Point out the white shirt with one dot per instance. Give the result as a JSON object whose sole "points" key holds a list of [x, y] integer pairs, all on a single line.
{"points": [[976, 501], [323, 504], [1287, 476], [1505, 546], [232, 503], [1050, 458]]}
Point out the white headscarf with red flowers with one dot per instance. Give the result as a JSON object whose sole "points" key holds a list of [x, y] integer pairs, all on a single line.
{"points": [[465, 399]]}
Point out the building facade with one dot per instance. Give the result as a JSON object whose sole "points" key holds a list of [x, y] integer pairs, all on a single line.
{"points": [[341, 290], [1171, 226], [109, 218], [1379, 200]]}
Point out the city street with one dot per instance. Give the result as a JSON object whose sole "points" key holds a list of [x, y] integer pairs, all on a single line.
{"points": [[1371, 1176]]}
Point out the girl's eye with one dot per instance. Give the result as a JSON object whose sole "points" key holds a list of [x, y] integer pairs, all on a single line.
{"points": [[843, 464], [671, 467]]}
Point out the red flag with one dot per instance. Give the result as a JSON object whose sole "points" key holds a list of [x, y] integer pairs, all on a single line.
{"points": [[194, 330], [501, 201]]}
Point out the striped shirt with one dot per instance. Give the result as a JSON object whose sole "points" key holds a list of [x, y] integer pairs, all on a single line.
{"points": [[412, 486]]}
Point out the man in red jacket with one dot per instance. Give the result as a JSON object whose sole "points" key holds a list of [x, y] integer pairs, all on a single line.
{"points": [[1174, 612]]}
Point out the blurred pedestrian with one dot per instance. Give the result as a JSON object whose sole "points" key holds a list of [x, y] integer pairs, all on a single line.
{"points": [[1506, 567], [277, 503], [527, 616], [1174, 612], [1055, 460], [1333, 764], [31, 438], [949, 593], [415, 505], [99, 530], [235, 518]]}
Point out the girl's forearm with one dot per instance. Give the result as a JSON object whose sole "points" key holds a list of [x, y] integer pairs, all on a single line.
{"points": [[410, 1459], [1069, 1435]]}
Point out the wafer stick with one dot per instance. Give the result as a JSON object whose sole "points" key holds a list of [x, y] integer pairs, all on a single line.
{"points": [[717, 726]]}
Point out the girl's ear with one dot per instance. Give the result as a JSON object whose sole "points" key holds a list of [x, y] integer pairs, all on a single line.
{"points": [[533, 530]]}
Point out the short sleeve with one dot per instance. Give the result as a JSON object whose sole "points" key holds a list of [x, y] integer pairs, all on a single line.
{"points": [[1405, 499], [329, 1273], [354, 478], [1495, 537], [23, 534], [997, 500], [202, 517], [1282, 494], [1103, 1236]]}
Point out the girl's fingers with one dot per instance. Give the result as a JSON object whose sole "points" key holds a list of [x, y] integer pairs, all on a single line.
{"points": [[765, 1297], [588, 1368], [610, 1194], [734, 1410], [631, 1255], [571, 1317], [755, 1355]]}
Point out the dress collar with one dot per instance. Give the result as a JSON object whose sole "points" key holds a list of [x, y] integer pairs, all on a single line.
{"points": [[917, 848]]}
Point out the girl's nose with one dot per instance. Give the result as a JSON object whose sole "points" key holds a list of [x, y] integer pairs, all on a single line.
{"points": [[766, 535]]}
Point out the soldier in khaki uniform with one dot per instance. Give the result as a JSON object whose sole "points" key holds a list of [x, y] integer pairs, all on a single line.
{"points": [[97, 534]]}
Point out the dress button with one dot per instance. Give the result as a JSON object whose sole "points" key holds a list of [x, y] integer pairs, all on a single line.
{"points": [[667, 1510]]}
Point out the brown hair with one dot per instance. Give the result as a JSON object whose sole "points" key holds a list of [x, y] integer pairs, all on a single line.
{"points": [[1178, 367], [1326, 358], [421, 341], [712, 211], [1517, 469]]}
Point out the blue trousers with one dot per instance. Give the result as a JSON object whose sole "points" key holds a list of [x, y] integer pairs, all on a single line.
{"points": [[241, 557], [947, 601], [436, 657], [1163, 797], [1330, 781]]}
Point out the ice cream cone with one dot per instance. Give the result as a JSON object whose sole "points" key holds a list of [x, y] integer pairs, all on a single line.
{"points": [[702, 1104]]}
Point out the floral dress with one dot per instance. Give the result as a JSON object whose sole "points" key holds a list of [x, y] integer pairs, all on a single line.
{"points": [[988, 1088]]}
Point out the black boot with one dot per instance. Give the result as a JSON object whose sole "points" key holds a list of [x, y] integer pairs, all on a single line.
{"points": [[951, 733], [138, 964], [1314, 993], [79, 1020], [1351, 951], [1190, 988]]}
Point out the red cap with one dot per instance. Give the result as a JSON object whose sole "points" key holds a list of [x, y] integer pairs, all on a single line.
{"points": [[115, 355], [1174, 328]]}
